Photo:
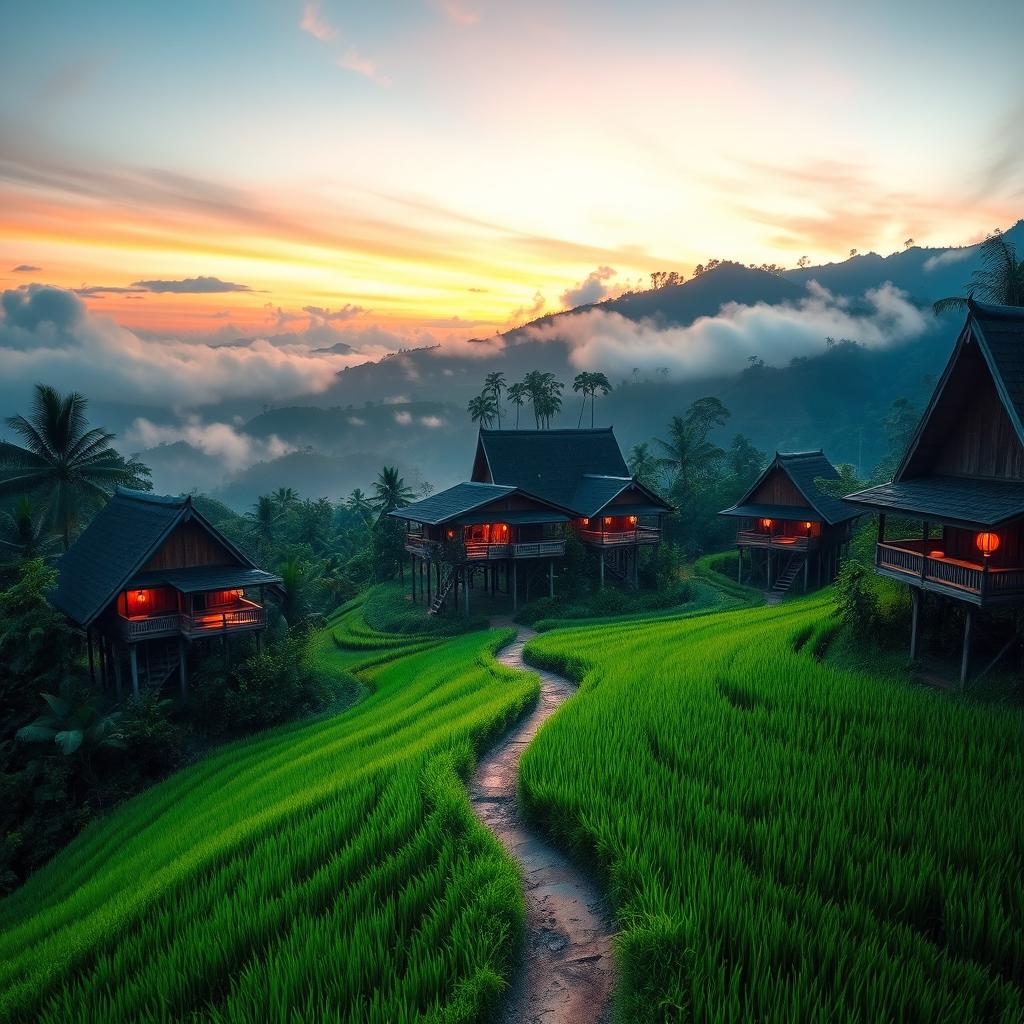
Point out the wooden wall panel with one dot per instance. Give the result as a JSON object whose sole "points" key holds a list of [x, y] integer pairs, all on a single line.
{"points": [[982, 441], [777, 489], [190, 545]]}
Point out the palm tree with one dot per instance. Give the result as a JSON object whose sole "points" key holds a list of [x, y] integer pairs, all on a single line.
{"points": [[24, 530], [545, 393], [517, 395], [643, 465], [482, 409], [285, 498], [359, 503], [265, 516], [1000, 279], [589, 384], [494, 384], [296, 584], [688, 454], [62, 456], [390, 492]]}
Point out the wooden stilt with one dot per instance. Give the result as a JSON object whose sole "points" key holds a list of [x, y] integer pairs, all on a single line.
{"points": [[515, 587], [915, 613], [115, 655], [551, 577], [134, 661], [965, 661], [429, 599], [739, 565], [769, 570], [92, 665], [602, 570], [465, 589], [183, 663], [807, 571]]}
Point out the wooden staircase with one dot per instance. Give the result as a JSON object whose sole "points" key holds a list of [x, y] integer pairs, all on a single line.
{"points": [[447, 582], [789, 573], [158, 661]]}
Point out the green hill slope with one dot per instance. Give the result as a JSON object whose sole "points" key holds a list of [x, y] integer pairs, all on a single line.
{"points": [[327, 870], [784, 840]]}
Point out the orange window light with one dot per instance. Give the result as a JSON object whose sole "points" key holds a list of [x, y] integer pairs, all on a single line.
{"points": [[607, 520], [767, 523], [586, 521], [632, 520], [451, 534], [807, 526], [987, 543]]}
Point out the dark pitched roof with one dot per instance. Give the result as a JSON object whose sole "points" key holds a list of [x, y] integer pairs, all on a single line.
{"points": [[758, 511], [999, 333], [460, 501], [954, 500], [206, 577], [803, 468], [594, 492], [550, 463], [116, 544]]}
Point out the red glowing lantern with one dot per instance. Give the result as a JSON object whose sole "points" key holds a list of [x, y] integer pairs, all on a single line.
{"points": [[586, 521], [987, 543], [632, 520], [807, 527], [767, 523], [451, 534], [141, 596]]}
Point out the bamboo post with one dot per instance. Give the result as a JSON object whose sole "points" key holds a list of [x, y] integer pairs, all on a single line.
{"points": [[965, 661], [183, 664], [515, 586], [915, 612], [551, 577]]}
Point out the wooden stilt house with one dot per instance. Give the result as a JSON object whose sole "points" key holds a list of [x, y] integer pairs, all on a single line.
{"points": [[960, 485], [530, 490], [149, 577], [790, 529]]}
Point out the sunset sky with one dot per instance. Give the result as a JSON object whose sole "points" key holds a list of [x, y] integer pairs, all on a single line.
{"points": [[449, 167]]}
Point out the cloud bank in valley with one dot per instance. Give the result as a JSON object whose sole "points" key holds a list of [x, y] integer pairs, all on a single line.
{"points": [[48, 334], [599, 339], [233, 449]]}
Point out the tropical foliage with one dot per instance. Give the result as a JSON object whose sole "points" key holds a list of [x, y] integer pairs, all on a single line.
{"points": [[69, 465], [999, 280]]}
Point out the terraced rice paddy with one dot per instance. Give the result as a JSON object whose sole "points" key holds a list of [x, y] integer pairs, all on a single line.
{"points": [[783, 840], [331, 869]]}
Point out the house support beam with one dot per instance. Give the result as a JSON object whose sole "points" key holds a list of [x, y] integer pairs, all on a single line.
{"points": [[807, 571], [739, 565], [515, 587], [915, 615], [965, 661], [134, 660], [551, 577], [183, 663], [602, 569], [769, 554]]}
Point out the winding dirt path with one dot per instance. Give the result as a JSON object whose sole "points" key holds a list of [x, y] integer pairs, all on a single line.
{"points": [[566, 971]]}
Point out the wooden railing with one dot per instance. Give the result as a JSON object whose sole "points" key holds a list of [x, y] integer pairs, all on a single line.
{"points": [[616, 538], [224, 620], [908, 558], [754, 539], [145, 629], [421, 545]]}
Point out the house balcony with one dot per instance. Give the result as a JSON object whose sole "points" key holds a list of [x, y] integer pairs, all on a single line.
{"points": [[621, 538], [230, 619], [777, 541], [482, 551], [918, 563]]}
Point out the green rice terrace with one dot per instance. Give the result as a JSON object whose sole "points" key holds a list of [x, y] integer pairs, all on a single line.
{"points": [[778, 838]]}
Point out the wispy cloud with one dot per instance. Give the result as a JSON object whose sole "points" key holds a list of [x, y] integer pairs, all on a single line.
{"points": [[352, 60], [458, 11], [525, 313], [314, 22], [320, 314], [234, 449], [25, 268], [191, 286]]}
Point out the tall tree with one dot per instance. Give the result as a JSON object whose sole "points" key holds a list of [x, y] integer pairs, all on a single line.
{"points": [[359, 503], [482, 409], [390, 491], [688, 454], [286, 498], [545, 393], [25, 533], [590, 383], [494, 385], [70, 464], [744, 461], [517, 395], [999, 280], [643, 464], [264, 517]]}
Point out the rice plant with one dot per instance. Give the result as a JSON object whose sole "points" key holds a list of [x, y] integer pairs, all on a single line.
{"points": [[330, 869], [784, 840]]}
